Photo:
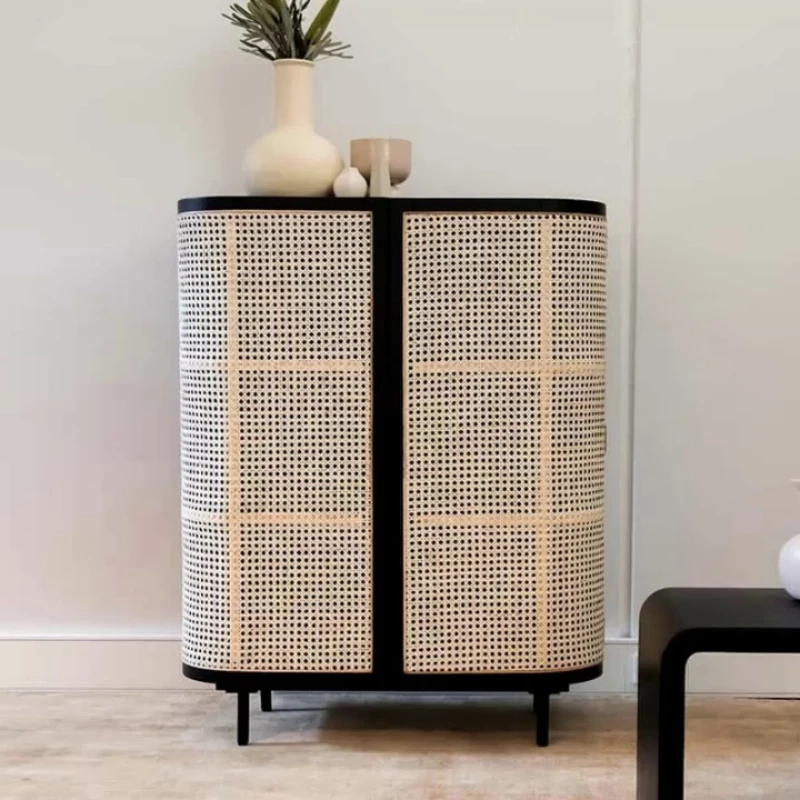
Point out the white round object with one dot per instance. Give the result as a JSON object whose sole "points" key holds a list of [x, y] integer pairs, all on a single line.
{"points": [[789, 561], [789, 567], [350, 183], [292, 162]]}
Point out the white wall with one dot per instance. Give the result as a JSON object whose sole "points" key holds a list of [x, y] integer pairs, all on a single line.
{"points": [[717, 377], [111, 114], [717, 428]]}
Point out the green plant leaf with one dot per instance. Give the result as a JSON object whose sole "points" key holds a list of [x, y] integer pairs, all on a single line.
{"points": [[315, 48], [296, 10], [279, 27], [272, 5], [273, 29], [254, 50], [322, 21], [263, 11]]}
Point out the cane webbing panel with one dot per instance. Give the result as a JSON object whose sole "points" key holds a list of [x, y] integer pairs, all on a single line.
{"points": [[293, 449], [276, 338], [318, 579], [492, 444], [206, 587], [504, 441]]}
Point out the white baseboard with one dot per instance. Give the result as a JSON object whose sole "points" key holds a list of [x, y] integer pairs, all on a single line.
{"points": [[92, 664], [119, 663], [750, 675]]}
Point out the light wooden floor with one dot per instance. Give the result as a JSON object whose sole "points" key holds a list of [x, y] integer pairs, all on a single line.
{"points": [[149, 745]]}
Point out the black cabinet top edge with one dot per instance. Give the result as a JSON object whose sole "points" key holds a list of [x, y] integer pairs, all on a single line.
{"points": [[456, 204]]}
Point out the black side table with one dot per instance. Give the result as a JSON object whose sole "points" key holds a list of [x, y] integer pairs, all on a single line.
{"points": [[674, 625]]}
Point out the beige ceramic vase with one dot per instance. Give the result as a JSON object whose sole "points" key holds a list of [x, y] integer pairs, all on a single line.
{"points": [[293, 160]]}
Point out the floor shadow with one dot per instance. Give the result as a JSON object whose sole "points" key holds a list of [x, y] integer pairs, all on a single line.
{"points": [[419, 723]]}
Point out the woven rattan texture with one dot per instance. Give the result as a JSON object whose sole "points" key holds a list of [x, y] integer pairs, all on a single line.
{"points": [[276, 338], [504, 441]]}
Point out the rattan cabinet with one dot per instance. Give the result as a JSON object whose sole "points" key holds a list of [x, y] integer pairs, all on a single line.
{"points": [[392, 445]]}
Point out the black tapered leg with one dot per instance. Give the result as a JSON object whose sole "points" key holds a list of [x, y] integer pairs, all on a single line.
{"points": [[243, 718], [266, 700], [541, 705]]}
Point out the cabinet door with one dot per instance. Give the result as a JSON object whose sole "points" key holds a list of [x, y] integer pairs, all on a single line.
{"points": [[504, 328], [276, 329]]}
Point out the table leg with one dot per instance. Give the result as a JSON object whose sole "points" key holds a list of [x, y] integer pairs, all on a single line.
{"points": [[541, 704], [243, 718], [661, 725]]}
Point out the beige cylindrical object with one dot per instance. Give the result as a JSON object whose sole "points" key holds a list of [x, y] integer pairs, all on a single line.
{"points": [[380, 184], [294, 93], [400, 151], [293, 160]]}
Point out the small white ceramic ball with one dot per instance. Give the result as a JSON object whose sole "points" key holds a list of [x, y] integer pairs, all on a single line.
{"points": [[789, 567], [789, 562], [350, 183]]}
